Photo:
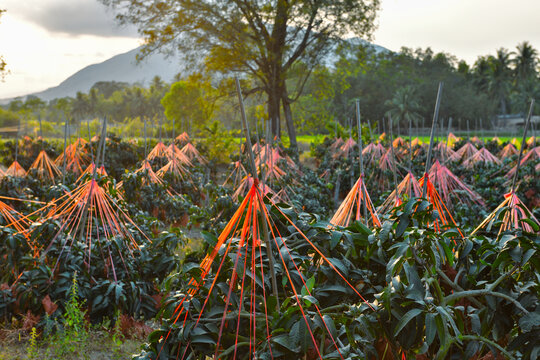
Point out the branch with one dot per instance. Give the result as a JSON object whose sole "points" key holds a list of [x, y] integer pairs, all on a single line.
{"points": [[502, 277], [455, 286], [483, 292], [487, 341]]}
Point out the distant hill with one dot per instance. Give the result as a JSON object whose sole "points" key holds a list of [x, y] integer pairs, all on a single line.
{"points": [[123, 68]]}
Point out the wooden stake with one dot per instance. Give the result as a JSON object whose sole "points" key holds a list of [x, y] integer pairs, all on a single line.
{"points": [[433, 127]]}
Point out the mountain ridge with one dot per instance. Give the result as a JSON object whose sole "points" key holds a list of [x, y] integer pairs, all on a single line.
{"points": [[124, 68]]}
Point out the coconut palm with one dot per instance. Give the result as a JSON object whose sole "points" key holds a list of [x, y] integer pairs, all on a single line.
{"points": [[525, 62], [481, 72], [500, 79], [403, 106]]}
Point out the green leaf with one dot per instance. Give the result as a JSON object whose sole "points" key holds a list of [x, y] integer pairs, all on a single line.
{"points": [[202, 339], [448, 252], [411, 314], [529, 321], [310, 300], [431, 328], [402, 225], [534, 225], [285, 341], [334, 241], [331, 326], [210, 238], [310, 283], [339, 265]]}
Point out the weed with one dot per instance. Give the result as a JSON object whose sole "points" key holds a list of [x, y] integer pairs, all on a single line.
{"points": [[32, 352], [74, 336]]}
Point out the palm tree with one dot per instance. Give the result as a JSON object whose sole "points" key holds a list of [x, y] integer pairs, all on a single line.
{"points": [[481, 74], [500, 78], [403, 106], [525, 62]]}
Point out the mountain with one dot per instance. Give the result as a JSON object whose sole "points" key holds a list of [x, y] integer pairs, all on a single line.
{"points": [[121, 68], [124, 68]]}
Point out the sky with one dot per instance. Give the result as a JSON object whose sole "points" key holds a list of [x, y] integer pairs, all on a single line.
{"points": [[46, 41]]}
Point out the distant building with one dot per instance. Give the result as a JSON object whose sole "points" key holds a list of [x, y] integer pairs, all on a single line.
{"points": [[515, 120]]}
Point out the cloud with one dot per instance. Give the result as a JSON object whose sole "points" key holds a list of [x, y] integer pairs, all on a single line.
{"points": [[70, 17]]}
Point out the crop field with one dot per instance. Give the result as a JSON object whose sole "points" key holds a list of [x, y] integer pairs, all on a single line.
{"points": [[117, 248]]}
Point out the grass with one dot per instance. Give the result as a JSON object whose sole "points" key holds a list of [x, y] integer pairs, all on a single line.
{"points": [[15, 344]]}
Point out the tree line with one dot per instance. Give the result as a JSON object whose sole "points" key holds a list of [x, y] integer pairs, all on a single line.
{"points": [[401, 85]]}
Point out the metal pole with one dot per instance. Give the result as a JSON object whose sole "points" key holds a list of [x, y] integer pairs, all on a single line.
{"points": [[65, 147], [254, 174], [103, 141], [361, 159], [89, 142], [430, 150], [523, 142], [145, 142], [393, 157]]}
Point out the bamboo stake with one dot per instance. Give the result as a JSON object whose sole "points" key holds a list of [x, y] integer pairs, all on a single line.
{"points": [[410, 153], [89, 142], [394, 169], [523, 142], [254, 174], [447, 137], [410, 145], [533, 128], [65, 147], [160, 126], [103, 141], [40, 131], [360, 158], [430, 150], [17, 141], [145, 142], [349, 151]]}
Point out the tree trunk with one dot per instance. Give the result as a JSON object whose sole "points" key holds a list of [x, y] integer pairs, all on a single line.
{"points": [[503, 105], [273, 112], [290, 124]]}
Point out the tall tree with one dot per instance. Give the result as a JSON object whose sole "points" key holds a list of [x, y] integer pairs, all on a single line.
{"points": [[525, 62], [500, 81], [193, 98], [404, 107], [481, 72], [264, 39]]}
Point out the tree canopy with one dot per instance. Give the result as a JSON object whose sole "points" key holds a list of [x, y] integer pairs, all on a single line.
{"points": [[264, 39]]}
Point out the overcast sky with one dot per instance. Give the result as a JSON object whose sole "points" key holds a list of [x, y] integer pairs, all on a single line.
{"points": [[45, 41]]}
